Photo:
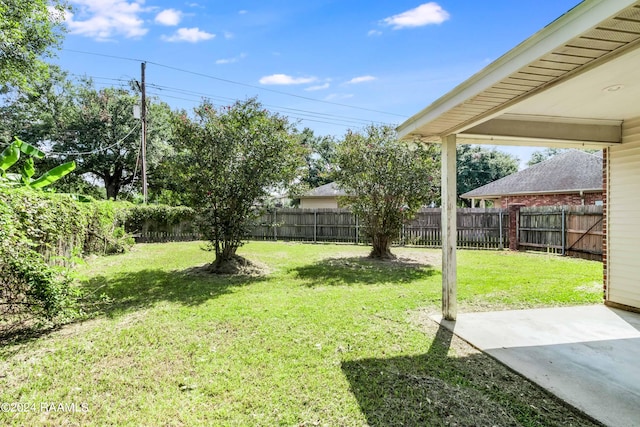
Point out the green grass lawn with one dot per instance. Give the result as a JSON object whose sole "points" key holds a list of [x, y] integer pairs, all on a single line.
{"points": [[324, 338]]}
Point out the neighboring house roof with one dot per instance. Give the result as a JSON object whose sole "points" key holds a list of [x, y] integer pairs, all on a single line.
{"points": [[328, 190], [567, 172]]}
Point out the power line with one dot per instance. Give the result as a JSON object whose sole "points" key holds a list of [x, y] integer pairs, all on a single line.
{"points": [[170, 67], [273, 90], [311, 116], [97, 150], [295, 110]]}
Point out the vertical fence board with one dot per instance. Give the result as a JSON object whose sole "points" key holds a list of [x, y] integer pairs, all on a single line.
{"points": [[540, 228], [578, 231]]}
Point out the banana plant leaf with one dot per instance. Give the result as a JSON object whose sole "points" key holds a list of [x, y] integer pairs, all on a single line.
{"points": [[8, 157], [28, 170], [53, 175], [29, 149]]}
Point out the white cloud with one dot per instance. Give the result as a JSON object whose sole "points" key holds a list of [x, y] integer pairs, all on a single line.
{"points": [[361, 79], [242, 12], [283, 79], [318, 87], [425, 14], [104, 19], [191, 35], [374, 33], [228, 35], [231, 60], [169, 17]]}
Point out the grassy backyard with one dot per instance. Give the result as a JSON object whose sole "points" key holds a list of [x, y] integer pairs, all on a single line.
{"points": [[325, 337]]}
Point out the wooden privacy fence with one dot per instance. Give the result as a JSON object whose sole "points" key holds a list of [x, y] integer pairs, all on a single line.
{"points": [[477, 228], [569, 230]]}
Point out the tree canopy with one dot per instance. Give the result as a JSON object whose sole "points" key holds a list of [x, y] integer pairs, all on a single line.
{"points": [[231, 160], [29, 31], [386, 180], [542, 155], [320, 158], [478, 166], [94, 127]]}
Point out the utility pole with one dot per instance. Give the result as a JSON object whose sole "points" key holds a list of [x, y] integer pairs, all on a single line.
{"points": [[143, 115]]}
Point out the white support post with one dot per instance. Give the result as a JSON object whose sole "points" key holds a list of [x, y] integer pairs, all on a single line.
{"points": [[449, 228]]}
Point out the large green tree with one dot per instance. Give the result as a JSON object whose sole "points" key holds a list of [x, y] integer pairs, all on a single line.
{"points": [[233, 158], [478, 166], [387, 181], [29, 32], [545, 154], [320, 158], [94, 127]]}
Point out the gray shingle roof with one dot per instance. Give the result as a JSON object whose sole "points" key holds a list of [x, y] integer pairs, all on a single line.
{"points": [[327, 190], [571, 171]]}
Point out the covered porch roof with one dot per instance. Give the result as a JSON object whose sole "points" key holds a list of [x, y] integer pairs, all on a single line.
{"points": [[571, 84]]}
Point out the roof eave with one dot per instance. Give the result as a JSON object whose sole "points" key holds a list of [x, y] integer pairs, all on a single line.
{"points": [[576, 21], [526, 193]]}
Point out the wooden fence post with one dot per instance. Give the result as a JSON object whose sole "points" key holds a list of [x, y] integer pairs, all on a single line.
{"points": [[501, 241], [275, 220], [315, 225], [514, 217]]}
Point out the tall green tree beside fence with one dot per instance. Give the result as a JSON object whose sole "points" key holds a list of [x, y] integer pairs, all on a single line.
{"points": [[231, 159], [387, 181]]}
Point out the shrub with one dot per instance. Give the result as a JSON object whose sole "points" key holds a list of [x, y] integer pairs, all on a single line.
{"points": [[39, 232], [31, 290]]}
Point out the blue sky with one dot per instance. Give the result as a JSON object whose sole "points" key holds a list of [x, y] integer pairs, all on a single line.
{"points": [[331, 64]]}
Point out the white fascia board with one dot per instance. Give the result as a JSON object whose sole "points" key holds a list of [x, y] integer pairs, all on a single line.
{"points": [[465, 138], [576, 21]]}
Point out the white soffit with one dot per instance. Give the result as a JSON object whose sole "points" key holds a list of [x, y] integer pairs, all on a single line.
{"points": [[580, 67]]}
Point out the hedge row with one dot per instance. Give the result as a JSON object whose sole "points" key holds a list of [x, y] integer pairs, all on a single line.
{"points": [[42, 232], [39, 233]]}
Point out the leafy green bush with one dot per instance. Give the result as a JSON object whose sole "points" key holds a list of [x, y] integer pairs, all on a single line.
{"points": [[104, 229], [39, 232], [138, 216], [31, 290]]}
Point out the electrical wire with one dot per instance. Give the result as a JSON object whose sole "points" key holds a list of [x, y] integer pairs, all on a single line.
{"points": [[278, 108], [54, 153], [195, 73]]}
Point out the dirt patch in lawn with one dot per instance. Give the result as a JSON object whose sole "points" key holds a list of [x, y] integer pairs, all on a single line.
{"points": [[237, 266]]}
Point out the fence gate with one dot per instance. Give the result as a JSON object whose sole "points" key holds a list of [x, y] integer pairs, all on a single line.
{"points": [[569, 230]]}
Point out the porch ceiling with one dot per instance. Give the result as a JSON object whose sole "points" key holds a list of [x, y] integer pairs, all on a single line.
{"points": [[573, 83]]}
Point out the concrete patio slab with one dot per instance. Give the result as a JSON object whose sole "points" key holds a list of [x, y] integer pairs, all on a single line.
{"points": [[588, 356]]}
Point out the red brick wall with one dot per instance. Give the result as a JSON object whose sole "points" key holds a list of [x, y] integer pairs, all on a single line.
{"points": [[551, 199]]}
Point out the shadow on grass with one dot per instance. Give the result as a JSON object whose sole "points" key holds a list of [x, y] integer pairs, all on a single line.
{"points": [[435, 389], [144, 288], [341, 271]]}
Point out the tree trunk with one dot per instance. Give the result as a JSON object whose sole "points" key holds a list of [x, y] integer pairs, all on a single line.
{"points": [[227, 253], [381, 248], [227, 262], [112, 188]]}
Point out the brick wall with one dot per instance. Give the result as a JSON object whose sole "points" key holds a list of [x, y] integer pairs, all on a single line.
{"points": [[534, 200]]}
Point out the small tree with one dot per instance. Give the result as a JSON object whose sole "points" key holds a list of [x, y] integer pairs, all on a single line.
{"points": [[387, 182], [230, 160]]}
